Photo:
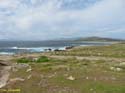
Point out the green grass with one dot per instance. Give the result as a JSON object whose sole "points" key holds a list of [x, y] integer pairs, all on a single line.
{"points": [[42, 59], [23, 60], [91, 76], [35, 60], [115, 50], [54, 77]]}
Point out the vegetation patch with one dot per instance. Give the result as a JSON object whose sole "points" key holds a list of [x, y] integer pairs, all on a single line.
{"points": [[115, 51], [23, 60], [42, 59], [36, 60], [103, 71]]}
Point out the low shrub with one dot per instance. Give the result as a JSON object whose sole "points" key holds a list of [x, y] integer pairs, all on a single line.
{"points": [[42, 59], [27, 60], [24, 60]]}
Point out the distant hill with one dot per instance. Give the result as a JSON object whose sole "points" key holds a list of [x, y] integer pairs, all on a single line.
{"points": [[77, 39], [98, 39]]}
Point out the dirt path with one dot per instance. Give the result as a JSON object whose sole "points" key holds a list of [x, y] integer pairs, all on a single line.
{"points": [[91, 58], [78, 57], [4, 76]]}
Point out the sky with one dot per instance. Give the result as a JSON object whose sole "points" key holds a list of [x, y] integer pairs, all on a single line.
{"points": [[53, 19]]}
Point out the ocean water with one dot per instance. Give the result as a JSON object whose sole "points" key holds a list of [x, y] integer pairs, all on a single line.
{"points": [[15, 47]]}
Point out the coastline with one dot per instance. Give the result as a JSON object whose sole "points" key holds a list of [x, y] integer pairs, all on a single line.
{"points": [[22, 50], [61, 61], [6, 57]]}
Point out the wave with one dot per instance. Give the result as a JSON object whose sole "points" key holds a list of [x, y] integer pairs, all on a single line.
{"points": [[15, 49], [38, 48], [6, 53]]}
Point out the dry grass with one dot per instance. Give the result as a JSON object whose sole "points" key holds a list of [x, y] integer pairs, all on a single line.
{"points": [[89, 75]]}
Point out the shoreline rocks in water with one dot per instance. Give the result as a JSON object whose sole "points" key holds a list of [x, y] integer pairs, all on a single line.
{"points": [[69, 47]]}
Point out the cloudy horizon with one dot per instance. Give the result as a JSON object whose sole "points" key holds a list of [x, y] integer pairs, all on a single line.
{"points": [[51, 19]]}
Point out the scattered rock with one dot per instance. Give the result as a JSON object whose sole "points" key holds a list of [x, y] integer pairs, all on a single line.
{"points": [[112, 68], [68, 69], [40, 83], [16, 79], [29, 76], [51, 76], [91, 89], [113, 78], [21, 65], [123, 63], [116, 69], [71, 78], [66, 75], [5, 76], [3, 64], [95, 79], [35, 59], [14, 69], [87, 77], [29, 70], [42, 76], [99, 54]]}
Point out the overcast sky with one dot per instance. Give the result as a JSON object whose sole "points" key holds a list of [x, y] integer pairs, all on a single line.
{"points": [[50, 19]]}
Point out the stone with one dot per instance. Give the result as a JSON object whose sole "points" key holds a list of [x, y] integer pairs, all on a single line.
{"points": [[118, 69], [17, 79], [29, 76], [29, 70], [71, 78]]}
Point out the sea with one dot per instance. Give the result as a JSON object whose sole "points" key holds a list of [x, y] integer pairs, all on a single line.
{"points": [[18, 47]]}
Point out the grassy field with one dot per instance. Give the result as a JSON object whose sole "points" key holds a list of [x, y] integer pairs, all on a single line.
{"points": [[114, 50], [95, 69]]}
